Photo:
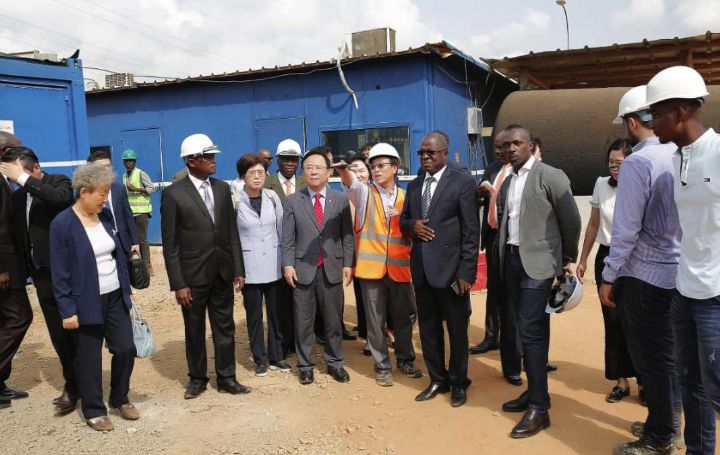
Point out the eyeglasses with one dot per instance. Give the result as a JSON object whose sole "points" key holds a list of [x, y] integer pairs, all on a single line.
{"points": [[310, 168], [380, 166], [612, 164], [429, 152], [256, 173]]}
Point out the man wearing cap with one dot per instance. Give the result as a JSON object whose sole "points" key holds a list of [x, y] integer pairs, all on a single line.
{"points": [[203, 258], [139, 188], [640, 270], [383, 261], [675, 96]]}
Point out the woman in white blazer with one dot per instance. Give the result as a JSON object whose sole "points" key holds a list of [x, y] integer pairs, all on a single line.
{"points": [[259, 222]]}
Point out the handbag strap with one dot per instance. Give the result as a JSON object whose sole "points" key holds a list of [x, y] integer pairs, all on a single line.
{"points": [[135, 313]]}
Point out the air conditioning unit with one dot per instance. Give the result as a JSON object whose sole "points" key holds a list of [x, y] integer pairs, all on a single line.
{"points": [[474, 120], [373, 42], [119, 80]]}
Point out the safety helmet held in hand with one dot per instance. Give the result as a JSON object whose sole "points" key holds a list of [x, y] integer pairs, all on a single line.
{"points": [[197, 144], [129, 154], [565, 295], [383, 149], [289, 147], [633, 102], [675, 82]]}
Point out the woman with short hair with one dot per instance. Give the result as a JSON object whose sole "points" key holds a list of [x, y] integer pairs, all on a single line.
{"points": [[92, 289]]}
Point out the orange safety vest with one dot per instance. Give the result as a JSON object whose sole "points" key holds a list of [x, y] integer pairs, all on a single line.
{"points": [[380, 250]]}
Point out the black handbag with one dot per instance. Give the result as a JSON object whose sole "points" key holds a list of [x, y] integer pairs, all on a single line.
{"points": [[139, 276]]}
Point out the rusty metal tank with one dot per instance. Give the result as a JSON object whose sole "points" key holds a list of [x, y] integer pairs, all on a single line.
{"points": [[575, 127]]}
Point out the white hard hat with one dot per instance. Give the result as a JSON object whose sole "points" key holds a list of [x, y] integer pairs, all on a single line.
{"points": [[675, 82], [383, 149], [565, 295], [289, 147], [631, 102], [197, 144]]}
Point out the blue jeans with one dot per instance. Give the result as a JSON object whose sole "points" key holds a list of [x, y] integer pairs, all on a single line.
{"points": [[696, 325]]}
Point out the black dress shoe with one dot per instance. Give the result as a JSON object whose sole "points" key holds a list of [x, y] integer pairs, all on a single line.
{"points": [[232, 387], [194, 389], [514, 379], [433, 389], [5, 403], [347, 336], [306, 377], [531, 424], [458, 397], [519, 404], [339, 374], [65, 403], [484, 346], [12, 394], [550, 367]]}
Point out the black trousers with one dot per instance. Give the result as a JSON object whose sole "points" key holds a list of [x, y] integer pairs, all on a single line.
{"points": [[617, 358], [117, 331], [645, 317], [141, 223], [496, 295], [528, 297], [15, 318], [253, 299], [360, 307], [328, 299], [217, 300], [285, 317], [435, 306], [62, 340]]}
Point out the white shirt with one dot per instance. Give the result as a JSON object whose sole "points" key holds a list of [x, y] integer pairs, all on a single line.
{"points": [[103, 246], [437, 176], [282, 180], [698, 204], [517, 185], [603, 199], [358, 194], [197, 182]]}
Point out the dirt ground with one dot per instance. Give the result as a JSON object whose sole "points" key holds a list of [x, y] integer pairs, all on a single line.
{"points": [[281, 416]]}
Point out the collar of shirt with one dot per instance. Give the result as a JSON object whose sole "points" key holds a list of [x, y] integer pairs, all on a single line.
{"points": [[388, 194], [197, 182], [526, 167], [282, 179], [322, 193], [647, 142], [699, 144], [437, 175]]}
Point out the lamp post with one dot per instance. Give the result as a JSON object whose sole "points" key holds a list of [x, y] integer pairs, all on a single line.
{"points": [[567, 24]]}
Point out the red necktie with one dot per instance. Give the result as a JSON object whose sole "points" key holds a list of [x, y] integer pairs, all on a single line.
{"points": [[319, 219]]}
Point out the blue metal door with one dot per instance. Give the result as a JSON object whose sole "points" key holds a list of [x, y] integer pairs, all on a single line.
{"points": [[147, 143], [270, 131]]}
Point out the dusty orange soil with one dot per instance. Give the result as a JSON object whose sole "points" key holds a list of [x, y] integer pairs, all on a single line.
{"points": [[280, 416]]}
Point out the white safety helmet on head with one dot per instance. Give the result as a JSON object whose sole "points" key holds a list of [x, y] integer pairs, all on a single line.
{"points": [[633, 102], [197, 144], [675, 82], [289, 147], [565, 295], [383, 149]]}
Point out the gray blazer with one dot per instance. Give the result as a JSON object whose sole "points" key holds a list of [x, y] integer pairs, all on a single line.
{"points": [[303, 238], [261, 237], [549, 222]]}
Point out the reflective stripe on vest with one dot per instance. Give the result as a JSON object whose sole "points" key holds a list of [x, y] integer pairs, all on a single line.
{"points": [[382, 251], [139, 202]]}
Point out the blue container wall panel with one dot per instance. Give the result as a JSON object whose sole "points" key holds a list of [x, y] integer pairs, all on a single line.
{"points": [[46, 103]]}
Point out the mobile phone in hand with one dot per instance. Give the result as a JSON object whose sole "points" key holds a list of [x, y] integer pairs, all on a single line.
{"points": [[454, 286]]}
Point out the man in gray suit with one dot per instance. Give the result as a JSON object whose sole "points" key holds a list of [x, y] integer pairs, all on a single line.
{"points": [[537, 240], [318, 249]]}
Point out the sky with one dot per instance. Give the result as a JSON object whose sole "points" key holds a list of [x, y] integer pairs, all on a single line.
{"points": [[179, 38]]}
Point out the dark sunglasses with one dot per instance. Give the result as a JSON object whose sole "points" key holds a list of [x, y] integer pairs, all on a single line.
{"points": [[429, 152]]}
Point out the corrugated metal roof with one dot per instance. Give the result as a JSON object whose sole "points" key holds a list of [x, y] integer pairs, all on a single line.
{"points": [[442, 48], [619, 65]]}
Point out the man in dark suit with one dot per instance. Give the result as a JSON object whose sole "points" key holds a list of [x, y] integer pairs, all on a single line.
{"points": [[40, 198], [203, 258], [440, 214], [119, 207], [537, 240], [15, 311], [318, 247], [285, 182]]}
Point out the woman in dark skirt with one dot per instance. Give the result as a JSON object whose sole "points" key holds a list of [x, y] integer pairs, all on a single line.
{"points": [[618, 366]]}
